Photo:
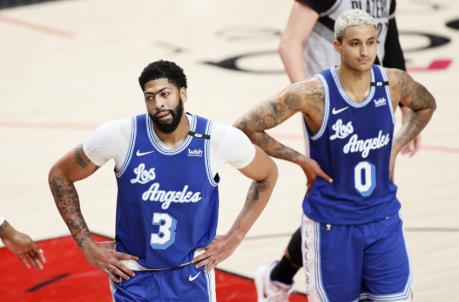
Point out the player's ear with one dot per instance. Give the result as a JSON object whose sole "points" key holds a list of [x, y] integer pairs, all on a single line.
{"points": [[183, 94], [338, 46]]}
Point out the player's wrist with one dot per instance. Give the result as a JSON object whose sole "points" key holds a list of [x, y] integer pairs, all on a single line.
{"points": [[237, 235], [301, 160], [84, 241]]}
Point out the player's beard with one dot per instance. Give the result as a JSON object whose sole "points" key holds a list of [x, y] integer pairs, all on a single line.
{"points": [[169, 126]]}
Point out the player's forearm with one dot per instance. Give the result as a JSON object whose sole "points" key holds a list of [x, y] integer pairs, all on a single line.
{"points": [[68, 204], [266, 116], [256, 200], [416, 121], [274, 148], [291, 55]]}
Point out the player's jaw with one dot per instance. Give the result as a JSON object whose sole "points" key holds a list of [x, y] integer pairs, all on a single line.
{"points": [[167, 120]]}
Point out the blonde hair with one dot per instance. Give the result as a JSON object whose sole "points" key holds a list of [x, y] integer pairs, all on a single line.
{"points": [[353, 17]]}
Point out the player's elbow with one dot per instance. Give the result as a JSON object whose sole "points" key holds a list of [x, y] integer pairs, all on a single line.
{"points": [[430, 104], [288, 47], [271, 173], [243, 125], [54, 174], [283, 48]]}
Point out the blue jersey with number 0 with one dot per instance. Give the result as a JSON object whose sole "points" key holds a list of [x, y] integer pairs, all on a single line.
{"points": [[353, 146], [167, 200]]}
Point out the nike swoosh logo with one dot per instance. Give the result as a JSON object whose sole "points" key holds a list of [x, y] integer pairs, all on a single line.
{"points": [[336, 111], [138, 153], [192, 278]]}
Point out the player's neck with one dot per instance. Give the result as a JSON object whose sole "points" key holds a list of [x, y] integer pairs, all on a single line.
{"points": [[356, 83], [178, 136]]}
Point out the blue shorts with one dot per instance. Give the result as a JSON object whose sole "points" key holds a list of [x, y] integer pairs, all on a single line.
{"points": [[345, 263], [183, 284]]}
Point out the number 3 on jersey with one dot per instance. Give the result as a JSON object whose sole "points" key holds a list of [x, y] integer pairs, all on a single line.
{"points": [[166, 233], [365, 178]]}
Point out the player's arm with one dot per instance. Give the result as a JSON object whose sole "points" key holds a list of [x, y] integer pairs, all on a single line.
{"points": [[296, 98], [415, 96], [263, 171], [303, 97], [72, 167], [299, 26], [421, 102]]}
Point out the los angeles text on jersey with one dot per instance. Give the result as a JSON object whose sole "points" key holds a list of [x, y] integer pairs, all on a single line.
{"points": [[154, 192], [354, 144]]}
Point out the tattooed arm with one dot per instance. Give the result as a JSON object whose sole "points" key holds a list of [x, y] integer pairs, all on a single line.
{"points": [[263, 171], [303, 97], [72, 167], [415, 96]]}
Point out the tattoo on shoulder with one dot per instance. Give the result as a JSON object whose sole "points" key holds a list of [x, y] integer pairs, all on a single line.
{"points": [[309, 92], [402, 79], [81, 159]]}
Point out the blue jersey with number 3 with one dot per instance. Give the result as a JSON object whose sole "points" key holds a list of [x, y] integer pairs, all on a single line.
{"points": [[167, 200], [353, 146]]}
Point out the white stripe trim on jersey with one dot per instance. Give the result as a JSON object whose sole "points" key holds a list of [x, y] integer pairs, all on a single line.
{"points": [[318, 262], [207, 152], [311, 260], [346, 97], [387, 88], [128, 157], [323, 126], [155, 140], [112, 289], [210, 277]]}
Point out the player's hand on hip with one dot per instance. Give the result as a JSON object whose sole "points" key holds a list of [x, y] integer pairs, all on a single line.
{"points": [[312, 170], [104, 256], [221, 248]]}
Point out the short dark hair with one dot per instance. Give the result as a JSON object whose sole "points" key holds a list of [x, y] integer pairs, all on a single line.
{"points": [[163, 69]]}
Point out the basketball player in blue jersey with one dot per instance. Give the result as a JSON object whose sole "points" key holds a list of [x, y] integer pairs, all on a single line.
{"points": [[166, 166], [352, 237], [306, 48]]}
